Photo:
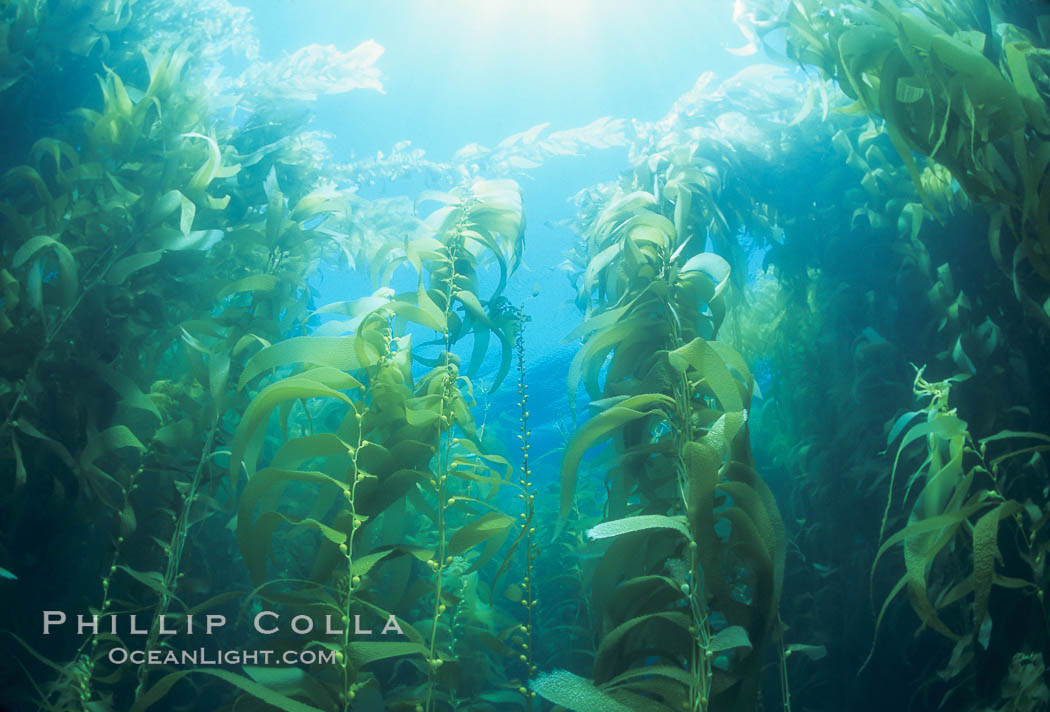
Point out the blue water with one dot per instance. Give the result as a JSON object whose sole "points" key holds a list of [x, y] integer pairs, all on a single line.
{"points": [[480, 70], [469, 71]]}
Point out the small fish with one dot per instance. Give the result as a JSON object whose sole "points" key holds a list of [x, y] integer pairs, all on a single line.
{"points": [[4, 573]]}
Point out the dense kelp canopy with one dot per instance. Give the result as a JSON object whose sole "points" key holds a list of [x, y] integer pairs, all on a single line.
{"points": [[804, 459]]}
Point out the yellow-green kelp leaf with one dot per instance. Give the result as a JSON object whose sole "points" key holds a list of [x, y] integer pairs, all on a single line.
{"points": [[473, 307], [1010, 434], [277, 678], [708, 364], [601, 426], [56, 150], [593, 353], [358, 307], [637, 524], [919, 554], [481, 529], [269, 520], [712, 265], [251, 427], [268, 477], [251, 283], [597, 323], [167, 204], [109, 440], [320, 200], [67, 265], [198, 240], [131, 395], [669, 672], [58, 448], [732, 637], [177, 434], [212, 167], [298, 450], [9, 299], [335, 351], [985, 552], [467, 466], [574, 692], [364, 564], [20, 467], [813, 652], [426, 314], [152, 579], [254, 538], [940, 426], [124, 268], [382, 614], [670, 624], [364, 652], [253, 688]]}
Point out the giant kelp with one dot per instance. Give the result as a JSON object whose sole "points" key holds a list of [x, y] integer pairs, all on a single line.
{"points": [[392, 444], [130, 288], [175, 399], [675, 402], [963, 84], [940, 79]]}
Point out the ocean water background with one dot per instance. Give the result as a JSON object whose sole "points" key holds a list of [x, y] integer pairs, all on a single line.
{"points": [[456, 73], [852, 305]]}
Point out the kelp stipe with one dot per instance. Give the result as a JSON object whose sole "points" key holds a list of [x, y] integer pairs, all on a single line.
{"points": [[526, 538], [447, 377], [675, 401], [395, 445], [137, 212], [196, 325], [958, 84], [488, 221], [960, 497], [961, 85], [102, 234]]}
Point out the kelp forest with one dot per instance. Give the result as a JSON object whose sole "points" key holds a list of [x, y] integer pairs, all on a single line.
{"points": [[802, 458]]}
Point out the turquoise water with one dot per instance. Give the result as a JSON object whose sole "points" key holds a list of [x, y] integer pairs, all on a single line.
{"points": [[524, 356]]}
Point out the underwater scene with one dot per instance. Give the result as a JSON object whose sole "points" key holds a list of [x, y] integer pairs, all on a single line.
{"points": [[483, 355]]}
